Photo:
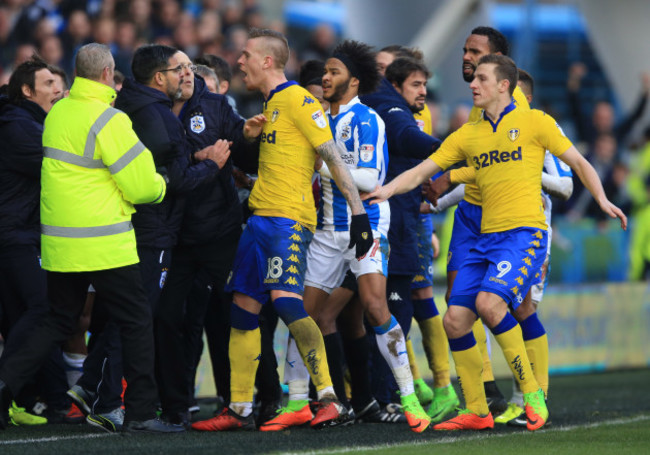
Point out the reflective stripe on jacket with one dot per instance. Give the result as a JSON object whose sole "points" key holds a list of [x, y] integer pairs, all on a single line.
{"points": [[94, 170]]}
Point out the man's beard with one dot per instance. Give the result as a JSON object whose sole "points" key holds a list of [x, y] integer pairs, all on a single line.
{"points": [[415, 109], [468, 77], [339, 91]]}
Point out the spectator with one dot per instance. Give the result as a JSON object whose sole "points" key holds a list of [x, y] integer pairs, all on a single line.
{"points": [[602, 121], [640, 171], [640, 244]]}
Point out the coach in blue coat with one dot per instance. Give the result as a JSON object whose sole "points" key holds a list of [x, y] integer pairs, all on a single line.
{"points": [[407, 147], [23, 289]]}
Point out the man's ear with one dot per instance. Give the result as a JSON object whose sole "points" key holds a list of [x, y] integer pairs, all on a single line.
{"points": [[504, 85], [27, 92]]}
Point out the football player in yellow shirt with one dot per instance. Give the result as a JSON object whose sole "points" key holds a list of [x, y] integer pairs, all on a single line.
{"points": [[507, 148], [467, 217], [270, 260]]}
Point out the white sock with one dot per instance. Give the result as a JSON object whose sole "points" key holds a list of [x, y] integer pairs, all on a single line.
{"points": [[295, 373], [326, 392], [517, 394], [244, 409], [396, 355], [74, 366]]}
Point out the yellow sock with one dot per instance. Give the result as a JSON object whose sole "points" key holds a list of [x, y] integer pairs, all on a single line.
{"points": [[512, 345], [309, 340], [469, 364], [481, 341], [244, 351], [537, 350], [415, 371], [436, 347]]}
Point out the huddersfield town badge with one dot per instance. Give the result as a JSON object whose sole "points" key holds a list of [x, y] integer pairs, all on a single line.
{"points": [[197, 124], [513, 134]]}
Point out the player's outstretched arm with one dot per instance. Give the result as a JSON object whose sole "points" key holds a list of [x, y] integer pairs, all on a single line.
{"points": [[590, 180], [404, 182]]}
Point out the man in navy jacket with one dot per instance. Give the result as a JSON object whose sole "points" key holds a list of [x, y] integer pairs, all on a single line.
{"points": [[407, 147], [147, 101], [207, 241], [23, 301]]}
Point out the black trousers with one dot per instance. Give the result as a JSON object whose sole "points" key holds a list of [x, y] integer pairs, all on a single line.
{"points": [[123, 295], [103, 369], [179, 320], [23, 302]]}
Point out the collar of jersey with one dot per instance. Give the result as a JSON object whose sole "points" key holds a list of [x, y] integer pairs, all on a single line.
{"points": [[343, 108], [509, 108], [279, 88]]}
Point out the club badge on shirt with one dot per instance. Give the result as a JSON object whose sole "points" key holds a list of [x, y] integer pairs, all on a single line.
{"points": [[319, 118], [513, 134], [197, 124]]}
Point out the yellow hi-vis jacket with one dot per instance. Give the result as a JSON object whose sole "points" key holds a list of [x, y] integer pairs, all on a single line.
{"points": [[94, 169]]}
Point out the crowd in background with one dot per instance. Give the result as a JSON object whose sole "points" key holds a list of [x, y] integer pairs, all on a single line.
{"points": [[56, 29]]}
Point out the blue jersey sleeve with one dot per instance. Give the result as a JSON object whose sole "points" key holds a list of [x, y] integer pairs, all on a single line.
{"points": [[368, 144]]}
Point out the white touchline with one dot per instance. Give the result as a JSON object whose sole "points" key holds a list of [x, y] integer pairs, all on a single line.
{"points": [[56, 438], [452, 439], [445, 440]]}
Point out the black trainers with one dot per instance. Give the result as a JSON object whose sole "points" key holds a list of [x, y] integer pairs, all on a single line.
{"points": [[496, 402], [82, 398], [374, 413], [108, 421], [152, 426], [182, 418]]}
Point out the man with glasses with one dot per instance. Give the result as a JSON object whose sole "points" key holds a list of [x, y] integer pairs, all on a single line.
{"points": [[147, 101], [207, 240], [94, 169]]}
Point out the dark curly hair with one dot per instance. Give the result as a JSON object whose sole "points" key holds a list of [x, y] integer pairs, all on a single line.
{"points": [[497, 41], [359, 58]]}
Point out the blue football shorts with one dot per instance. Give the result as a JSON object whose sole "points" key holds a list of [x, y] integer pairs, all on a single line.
{"points": [[271, 255], [503, 263], [465, 233]]}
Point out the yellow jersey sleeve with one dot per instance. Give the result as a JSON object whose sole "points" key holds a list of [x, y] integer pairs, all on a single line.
{"points": [[310, 119], [450, 151], [296, 125], [550, 134], [465, 175]]}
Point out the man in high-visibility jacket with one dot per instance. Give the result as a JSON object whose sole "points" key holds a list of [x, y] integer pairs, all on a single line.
{"points": [[94, 170]]}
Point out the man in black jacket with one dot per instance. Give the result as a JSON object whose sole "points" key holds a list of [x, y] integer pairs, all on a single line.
{"points": [[23, 301], [207, 240], [147, 101]]}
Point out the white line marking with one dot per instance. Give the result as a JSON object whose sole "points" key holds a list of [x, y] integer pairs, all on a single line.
{"points": [[445, 440], [453, 439], [56, 438]]}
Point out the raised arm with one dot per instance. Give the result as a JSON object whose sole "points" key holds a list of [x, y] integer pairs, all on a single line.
{"points": [[590, 180]]}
